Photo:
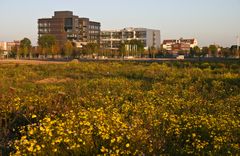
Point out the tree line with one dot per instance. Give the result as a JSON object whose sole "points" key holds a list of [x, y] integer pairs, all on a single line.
{"points": [[214, 51], [208, 51], [49, 47]]}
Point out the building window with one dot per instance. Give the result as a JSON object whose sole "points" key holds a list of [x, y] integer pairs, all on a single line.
{"points": [[141, 34]]}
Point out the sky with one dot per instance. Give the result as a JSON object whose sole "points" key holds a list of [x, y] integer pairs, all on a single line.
{"points": [[209, 21]]}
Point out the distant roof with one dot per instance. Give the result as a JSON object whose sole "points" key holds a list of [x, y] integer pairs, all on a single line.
{"points": [[130, 29], [190, 41], [169, 41]]}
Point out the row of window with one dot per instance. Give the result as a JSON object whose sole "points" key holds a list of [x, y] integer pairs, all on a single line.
{"points": [[119, 35], [117, 44], [71, 35], [67, 23], [94, 37], [94, 27], [94, 32], [44, 30], [44, 24]]}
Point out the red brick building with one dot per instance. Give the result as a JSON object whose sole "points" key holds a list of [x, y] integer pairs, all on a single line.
{"points": [[181, 45]]}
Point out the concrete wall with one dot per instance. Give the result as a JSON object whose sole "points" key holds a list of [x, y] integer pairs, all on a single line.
{"points": [[153, 40]]}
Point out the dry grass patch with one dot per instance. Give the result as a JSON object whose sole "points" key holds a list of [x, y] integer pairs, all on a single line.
{"points": [[53, 80]]}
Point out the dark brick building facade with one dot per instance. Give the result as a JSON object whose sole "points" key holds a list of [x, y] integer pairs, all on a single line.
{"points": [[66, 26]]}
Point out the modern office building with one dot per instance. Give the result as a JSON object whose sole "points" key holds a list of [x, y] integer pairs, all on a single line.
{"points": [[111, 39], [66, 26], [180, 44]]}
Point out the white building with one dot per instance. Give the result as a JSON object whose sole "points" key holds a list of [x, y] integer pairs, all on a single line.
{"points": [[111, 39]]}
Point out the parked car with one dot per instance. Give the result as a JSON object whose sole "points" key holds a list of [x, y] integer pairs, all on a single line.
{"points": [[128, 57], [180, 57]]}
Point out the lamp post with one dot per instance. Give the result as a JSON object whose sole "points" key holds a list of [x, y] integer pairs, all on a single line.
{"points": [[238, 47]]}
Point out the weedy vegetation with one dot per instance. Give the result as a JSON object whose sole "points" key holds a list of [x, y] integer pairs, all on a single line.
{"points": [[120, 108]]}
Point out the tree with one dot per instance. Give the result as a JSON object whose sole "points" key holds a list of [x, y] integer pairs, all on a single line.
{"points": [[133, 46], [46, 43], [213, 50], [25, 47], [197, 51], [163, 52], [14, 51], [139, 45], [192, 52], [226, 52], [153, 51], [181, 52], [122, 50], [91, 48], [234, 51], [205, 51], [1, 52], [55, 50], [76, 52], [68, 48]]}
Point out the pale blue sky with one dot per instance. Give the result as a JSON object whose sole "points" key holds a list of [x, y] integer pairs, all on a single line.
{"points": [[210, 21]]}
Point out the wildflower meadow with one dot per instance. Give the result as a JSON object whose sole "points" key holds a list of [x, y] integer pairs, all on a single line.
{"points": [[120, 108]]}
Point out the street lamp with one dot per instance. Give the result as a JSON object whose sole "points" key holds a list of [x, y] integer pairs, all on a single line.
{"points": [[238, 47]]}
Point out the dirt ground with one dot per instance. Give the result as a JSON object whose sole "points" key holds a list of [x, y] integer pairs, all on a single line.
{"points": [[53, 80]]}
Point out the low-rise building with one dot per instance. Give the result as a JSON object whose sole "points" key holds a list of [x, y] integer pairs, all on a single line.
{"points": [[8, 46], [179, 45], [11, 45], [111, 39]]}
